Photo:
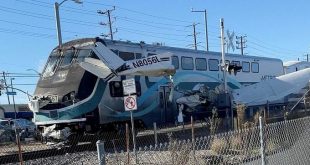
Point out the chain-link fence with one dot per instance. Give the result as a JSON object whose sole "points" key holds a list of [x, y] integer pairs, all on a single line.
{"points": [[285, 142]]}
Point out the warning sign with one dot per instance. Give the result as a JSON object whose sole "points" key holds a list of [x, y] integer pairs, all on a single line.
{"points": [[130, 103], [129, 86]]}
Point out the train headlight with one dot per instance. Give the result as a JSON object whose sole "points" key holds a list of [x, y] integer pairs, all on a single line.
{"points": [[69, 96], [65, 99], [72, 95]]}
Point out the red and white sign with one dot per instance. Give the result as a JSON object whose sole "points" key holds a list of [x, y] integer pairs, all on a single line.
{"points": [[130, 103]]}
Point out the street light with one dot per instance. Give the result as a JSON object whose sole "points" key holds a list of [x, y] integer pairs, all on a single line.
{"points": [[56, 6], [206, 23], [35, 71]]}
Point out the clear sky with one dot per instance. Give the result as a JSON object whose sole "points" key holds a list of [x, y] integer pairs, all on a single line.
{"points": [[274, 28]]}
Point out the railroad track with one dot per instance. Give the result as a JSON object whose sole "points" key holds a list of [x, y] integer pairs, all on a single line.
{"points": [[89, 144], [12, 158]]}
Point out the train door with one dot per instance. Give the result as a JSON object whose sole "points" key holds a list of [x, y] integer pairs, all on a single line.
{"points": [[166, 111]]}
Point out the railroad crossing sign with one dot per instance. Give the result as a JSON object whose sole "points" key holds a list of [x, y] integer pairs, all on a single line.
{"points": [[130, 103], [129, 86]]}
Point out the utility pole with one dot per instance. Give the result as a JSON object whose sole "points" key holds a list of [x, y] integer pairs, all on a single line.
{"points": [[108, 13], [13, 98], [195, 37], [241, 43], [206, 24], [194, 34], [6, 88], [307, 55]]}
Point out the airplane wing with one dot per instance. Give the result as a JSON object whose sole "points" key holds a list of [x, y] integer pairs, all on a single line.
{"points": [[108, 57], [157, 65], [109, 64], [272, 90], [96, 67]]}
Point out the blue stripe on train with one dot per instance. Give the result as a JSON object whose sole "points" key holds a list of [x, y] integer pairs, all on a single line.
{"points": [[27, 115]]}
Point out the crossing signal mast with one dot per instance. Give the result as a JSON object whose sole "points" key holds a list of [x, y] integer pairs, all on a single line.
{"points": [[241, 42], [108, 13]]}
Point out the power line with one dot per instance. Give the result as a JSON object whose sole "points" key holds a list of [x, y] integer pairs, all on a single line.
{"points": [[91, 23], [138, 12], [148, 32], [43, 16], [274, 46], [65, 8], [40, 27], [171, 39], [146, 22], [152, 22], [32, 34], [153, 26]]}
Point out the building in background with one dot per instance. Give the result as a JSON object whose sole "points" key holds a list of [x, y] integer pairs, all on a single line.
{"points": [[22, 111]]}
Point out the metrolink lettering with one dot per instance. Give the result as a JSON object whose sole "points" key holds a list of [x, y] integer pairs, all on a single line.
{"points": [[267, 77], [146, 61]]}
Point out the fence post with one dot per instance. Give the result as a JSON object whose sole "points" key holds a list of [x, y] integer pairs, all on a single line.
{"points": [[193, 137], [261, 135], [155, 133], [20, 156], [101, 152], [127, 143]]}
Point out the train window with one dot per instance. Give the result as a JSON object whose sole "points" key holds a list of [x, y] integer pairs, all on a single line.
{"points": [[201, 64], [175, 62], [50, 66], [151, 54], [127, 55], [116, 88], [82, 54], [213, 64], [236, 63], [245, 66], [138, 55], [187, 63], [255, 67], [67, 57]]}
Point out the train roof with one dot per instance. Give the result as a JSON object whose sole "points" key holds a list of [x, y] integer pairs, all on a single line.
{"points": [[291, 63], [154, 46]]}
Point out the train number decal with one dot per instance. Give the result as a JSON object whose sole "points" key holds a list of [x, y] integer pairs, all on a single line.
{"points": [[146, 61]]}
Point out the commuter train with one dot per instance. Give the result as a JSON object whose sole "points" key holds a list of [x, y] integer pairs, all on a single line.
{"points": [[67, 95]]}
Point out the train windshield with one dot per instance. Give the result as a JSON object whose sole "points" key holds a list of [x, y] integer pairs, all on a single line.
{"points": [[67, 57], [64, 59], [51, 64]]}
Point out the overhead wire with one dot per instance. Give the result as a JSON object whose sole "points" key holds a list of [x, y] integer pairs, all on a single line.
{"points": [[211, 34]]}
